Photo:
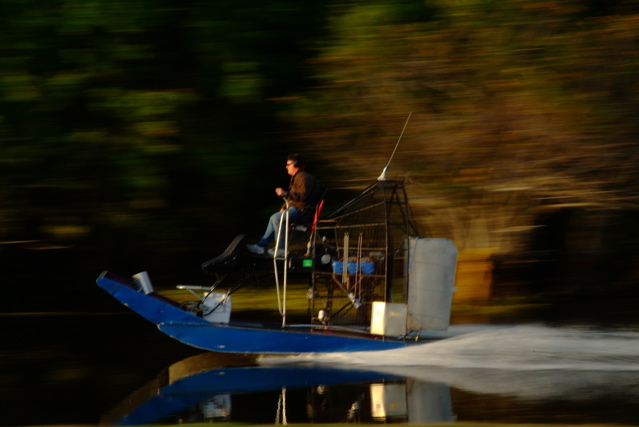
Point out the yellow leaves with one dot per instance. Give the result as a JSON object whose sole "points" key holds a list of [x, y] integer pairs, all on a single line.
{"points": [[473, 175], [156, 128], [245, 87], [132, 105], [150, 116], [83, 16], [553, 7], [242, 82], [67, 231], [67, 79], [19, 87], [523, 89]]}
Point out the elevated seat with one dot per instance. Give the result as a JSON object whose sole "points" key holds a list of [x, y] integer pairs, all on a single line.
{"points": [[229, 260], [302, 229], [309, 216]]}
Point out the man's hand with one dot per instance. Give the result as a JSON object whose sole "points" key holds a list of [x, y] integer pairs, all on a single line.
{"points": [[281, 192]]}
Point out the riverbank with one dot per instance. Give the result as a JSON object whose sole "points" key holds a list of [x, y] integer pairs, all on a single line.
{"points": [[261, 302]]}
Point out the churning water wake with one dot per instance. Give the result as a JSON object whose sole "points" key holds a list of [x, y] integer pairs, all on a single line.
{"points": [[532, 362], [516, 348]]}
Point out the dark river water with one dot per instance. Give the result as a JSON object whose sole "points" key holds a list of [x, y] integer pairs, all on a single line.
{"points": [[80, 367]]}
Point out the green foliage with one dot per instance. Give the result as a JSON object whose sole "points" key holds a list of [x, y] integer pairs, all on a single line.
{"points": [[126, 121], [151, 120]]}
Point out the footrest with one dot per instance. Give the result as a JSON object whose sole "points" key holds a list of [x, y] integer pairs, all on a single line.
{"points": [[193, 288], [204, 288]]}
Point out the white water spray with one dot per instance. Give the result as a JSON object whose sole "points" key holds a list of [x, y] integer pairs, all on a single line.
{"points": [[516, 348], [530, 362]]}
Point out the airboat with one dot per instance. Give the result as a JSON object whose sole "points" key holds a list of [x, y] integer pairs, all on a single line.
{"points": [[374, 284]]}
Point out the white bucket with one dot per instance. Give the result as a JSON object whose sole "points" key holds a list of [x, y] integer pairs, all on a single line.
{"points": [[216, 308]]}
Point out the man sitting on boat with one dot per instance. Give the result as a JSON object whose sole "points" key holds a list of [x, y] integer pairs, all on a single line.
{"points": [[303, 190]]}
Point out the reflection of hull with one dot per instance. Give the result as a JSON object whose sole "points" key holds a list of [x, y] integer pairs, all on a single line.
{"points": [[179, 394], [237, 337], [202, 388]]}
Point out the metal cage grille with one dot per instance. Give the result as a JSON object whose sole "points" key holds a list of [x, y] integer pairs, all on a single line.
{"points": [[365, 242]]}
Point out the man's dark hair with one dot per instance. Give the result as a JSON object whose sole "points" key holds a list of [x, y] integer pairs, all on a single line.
{"points": [[297, 160]]}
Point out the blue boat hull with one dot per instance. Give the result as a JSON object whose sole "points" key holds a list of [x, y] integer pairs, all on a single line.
{"points": [[236, 337]]}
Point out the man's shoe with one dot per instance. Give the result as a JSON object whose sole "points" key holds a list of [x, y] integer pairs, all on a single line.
{"points": [[255, 249], [280, 252]]}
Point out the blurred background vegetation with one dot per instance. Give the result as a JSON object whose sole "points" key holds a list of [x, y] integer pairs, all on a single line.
{"points": [[146, 135]]}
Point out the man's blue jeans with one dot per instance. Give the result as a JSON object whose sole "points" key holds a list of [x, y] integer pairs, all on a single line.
{"points": [[274, 225]]}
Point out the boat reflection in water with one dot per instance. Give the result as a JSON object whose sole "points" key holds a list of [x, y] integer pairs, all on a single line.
{"points": [[214, 387]]}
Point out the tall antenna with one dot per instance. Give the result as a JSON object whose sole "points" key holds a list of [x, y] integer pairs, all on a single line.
{"points": [[382, 177]]}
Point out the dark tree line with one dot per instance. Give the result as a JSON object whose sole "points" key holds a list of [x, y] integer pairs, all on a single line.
{"points": [[163, 125]]}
